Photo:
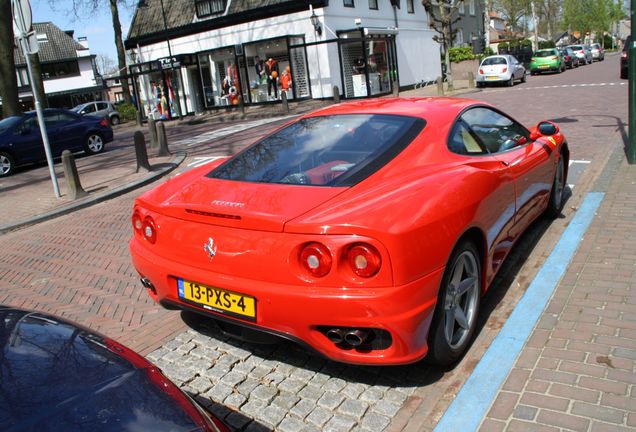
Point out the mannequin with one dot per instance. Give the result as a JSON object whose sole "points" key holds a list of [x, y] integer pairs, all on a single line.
{"points": [[271, 69], [285, 79]]}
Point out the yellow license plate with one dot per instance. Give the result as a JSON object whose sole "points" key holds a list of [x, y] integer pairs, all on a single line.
{"points": [[217, 299], [544, 66], [492, 78]]}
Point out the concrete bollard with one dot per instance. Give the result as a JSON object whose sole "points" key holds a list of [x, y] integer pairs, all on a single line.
{"points": [[141, 152], [396, 88], [284, 102], [153, 132], [75, 189], [471, 79], [139, 118], [336, 95], [163, 140], [440, 86], [241, 104]]}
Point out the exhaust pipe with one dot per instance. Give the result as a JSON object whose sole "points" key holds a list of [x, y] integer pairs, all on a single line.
{"points": [[147, 284], [356, 337], [335, 335]]}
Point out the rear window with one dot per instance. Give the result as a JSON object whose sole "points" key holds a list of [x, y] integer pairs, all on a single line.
{"points": [[337, 150], [576, 47], [494, 61], [547, 53]]}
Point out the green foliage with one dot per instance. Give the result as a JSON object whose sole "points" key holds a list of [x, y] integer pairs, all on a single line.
{"points": [[546, 44], [127, 112], [591, 15], [460, 54], [503, 47]]}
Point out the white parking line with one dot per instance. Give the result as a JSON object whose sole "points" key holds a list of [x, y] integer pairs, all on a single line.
{"points": [[220, 133], [198, 161], [578, 161]]}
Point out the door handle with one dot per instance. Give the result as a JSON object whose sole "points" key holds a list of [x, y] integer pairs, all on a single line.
{"points": [[505, 163]]}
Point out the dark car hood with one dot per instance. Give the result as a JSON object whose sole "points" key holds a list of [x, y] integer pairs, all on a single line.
{"points": [[57, 376]]}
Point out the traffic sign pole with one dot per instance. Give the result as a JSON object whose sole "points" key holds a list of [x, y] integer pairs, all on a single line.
{"points": [[23, 24]]}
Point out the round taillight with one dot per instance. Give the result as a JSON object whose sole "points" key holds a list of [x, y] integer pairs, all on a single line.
{"points": [[316, 259], [137, 223], [364, 259], [149, 230], [481, 71]]}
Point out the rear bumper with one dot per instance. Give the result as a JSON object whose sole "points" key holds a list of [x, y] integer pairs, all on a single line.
{"points": [[492, 78], [296, 312]]}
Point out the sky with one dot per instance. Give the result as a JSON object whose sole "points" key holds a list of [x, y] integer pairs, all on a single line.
{"points": [[97, 27]]}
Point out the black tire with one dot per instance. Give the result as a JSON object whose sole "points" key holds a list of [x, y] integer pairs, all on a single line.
{"points": [[523, 77], [557, 194], [448, 339], [94, 143], [511, 83], [623, 74], [7, 164], [479, 84], [114, 120]]}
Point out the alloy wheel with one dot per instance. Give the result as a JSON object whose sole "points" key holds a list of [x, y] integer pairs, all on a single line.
{"points": [[460, 304], [95, 143], [6, 165]]}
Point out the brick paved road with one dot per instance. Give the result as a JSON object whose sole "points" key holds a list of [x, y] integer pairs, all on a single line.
{"points": [[78, 267]]}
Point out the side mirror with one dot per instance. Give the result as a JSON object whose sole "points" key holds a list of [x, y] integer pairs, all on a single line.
{"points": [[547, 128]]}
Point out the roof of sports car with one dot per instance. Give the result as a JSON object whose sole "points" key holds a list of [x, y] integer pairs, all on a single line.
{"points": [[426, 108]]}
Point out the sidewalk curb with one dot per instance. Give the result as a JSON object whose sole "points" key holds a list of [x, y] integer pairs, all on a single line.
{"points": [[98, 198]]}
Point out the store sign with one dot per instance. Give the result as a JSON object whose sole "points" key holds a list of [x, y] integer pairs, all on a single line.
{"points": [[169, 63]]}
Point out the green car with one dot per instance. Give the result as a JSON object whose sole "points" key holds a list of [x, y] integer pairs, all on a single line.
{"points": [[546, 60]]}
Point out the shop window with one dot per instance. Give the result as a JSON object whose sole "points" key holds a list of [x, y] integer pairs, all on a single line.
{"points": [[410, 8], [348, 3], [207, 8], [373, 4], [60, 69]]}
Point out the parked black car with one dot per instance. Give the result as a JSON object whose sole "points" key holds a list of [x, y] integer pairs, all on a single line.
{"points": [[625, 57], [59, 376], [570, 58], [21, 141]]}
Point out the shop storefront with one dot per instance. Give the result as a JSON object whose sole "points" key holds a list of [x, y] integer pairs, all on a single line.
{"points": [[158, 86], [368, 61]]}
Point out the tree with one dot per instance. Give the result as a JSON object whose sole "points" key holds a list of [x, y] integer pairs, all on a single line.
{"points": [[442, 15], [512, 11], [82, 8], [549, 12], [9, 80], [591, 15], [105, 64]]}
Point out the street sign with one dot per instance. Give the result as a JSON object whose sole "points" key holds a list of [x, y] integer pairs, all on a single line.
{"points": [[22, 17]]}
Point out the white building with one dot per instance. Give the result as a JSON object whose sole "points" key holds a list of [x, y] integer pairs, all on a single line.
{"points": [[364, 47], [68, 69]]}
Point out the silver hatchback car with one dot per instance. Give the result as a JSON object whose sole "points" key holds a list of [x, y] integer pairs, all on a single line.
{"points": [[503, 69], [583, 52], [598, 53], [101, 109]]}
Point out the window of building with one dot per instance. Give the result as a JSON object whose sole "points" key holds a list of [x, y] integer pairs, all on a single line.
{"points": [[348, 3], [23, 77], [471, 7], [60, 69], [373, 4], [409, 6], [207, 8], [461, 8]]}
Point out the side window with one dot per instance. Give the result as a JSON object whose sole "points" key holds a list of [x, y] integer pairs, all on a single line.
{"points": [[495, 131], [463, 141], [29, 126], [101, 106]]}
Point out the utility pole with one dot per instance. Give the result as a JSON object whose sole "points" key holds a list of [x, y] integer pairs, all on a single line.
{"points": [[535, 43], [486, 24], [631, 52]]}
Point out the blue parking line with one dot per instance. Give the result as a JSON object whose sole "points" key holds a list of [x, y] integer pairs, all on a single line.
{"points": [[470, 406]]}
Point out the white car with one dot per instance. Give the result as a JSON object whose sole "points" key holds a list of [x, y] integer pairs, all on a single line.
{"points": [[583, 52], [502, 68], [598, 53]]}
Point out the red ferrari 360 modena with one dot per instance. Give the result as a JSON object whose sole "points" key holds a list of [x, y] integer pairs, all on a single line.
{"points": [[367, 231]]}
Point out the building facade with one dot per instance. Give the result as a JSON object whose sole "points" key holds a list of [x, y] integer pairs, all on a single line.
{"points": [[69, 73], [192, 55]]}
